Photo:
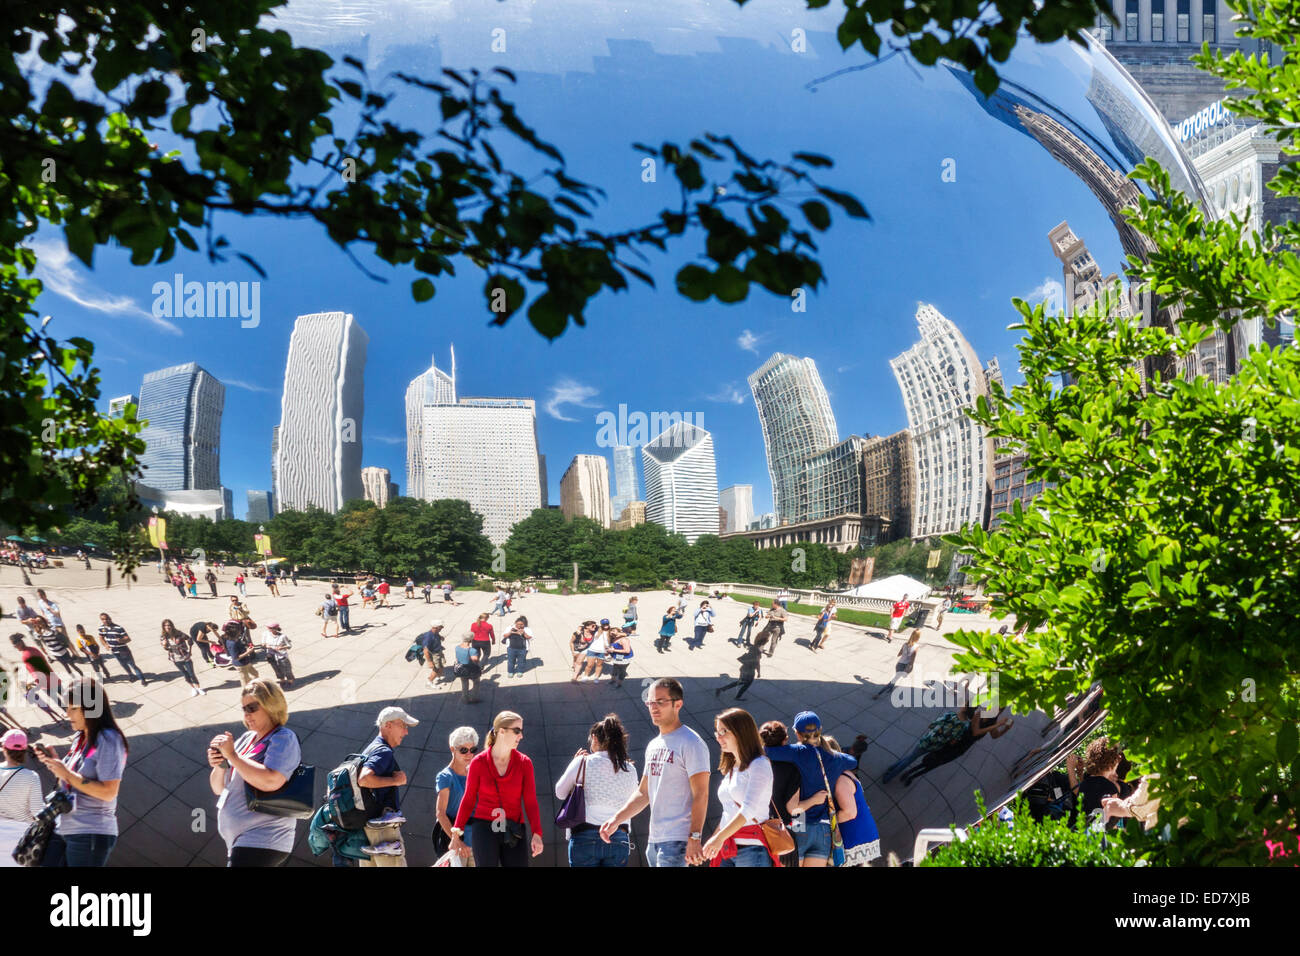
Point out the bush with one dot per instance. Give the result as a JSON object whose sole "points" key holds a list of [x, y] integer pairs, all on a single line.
{"points": [[1026, 843]]}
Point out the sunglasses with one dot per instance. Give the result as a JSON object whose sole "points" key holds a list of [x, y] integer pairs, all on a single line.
{"points": [[466, 750], [251, 708], [513, 730]]}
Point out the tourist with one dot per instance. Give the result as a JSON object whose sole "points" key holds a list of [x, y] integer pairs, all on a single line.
{"points": [[382, 590], [21, 794], [27, 615], [703, 624], [752, 616], [450, 788], [777, 615], [239, 583], [178, 582], [817, 765], [484, 638], [432, 650], [581, 640], [367, 595], [608, 779], [785, 780], [749, 668], [674, 785], [239, 648], [328, 613], [977, 729], [745, 794], [668, 629], [1100, 778], [264, 757], [237, 610], [50, 611], [277, 653], [681, 602], [91, 772], [410, 588], [906, 661], [428, 592], [896, 615], [8, 720], [57, 646], [468, 668], [379, 779], [341, 603], [448, 596], [43, 687], [180, 652], [823, 626], [499, 602], [619, 650], [858, 830], [211, 578], [783, 598], [204, 634], [293, 575], [90, 648], [593, 661], [945, 729], [629, 615], [517, 641], [500, 779], [944, 607], [271, 585], [191, 583]]}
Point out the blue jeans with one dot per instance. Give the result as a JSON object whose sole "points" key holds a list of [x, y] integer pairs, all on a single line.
{"points": [[187, 671], [814, 840], [700, 631], [901, 763], [668, 853], [586, 848], [749, 855], [127, 660], [343, 616], [746, 628], [79, 849], [516, 658]]}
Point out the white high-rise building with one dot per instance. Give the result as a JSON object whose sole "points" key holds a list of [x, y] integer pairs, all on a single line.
{"points": [[479, 450], [681, 481], [625, 483], [795, 414], [182, 442], [584, 490], [940, 378], [738, 502], [377, 485], [318, 452]]}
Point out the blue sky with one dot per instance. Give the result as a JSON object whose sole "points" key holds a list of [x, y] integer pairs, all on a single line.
{"points": [[966, 246]]}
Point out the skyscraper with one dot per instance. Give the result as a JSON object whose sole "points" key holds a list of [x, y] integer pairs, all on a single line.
{"points": [[738, 501], [261, 506], [889, 481], [376, 486], [117, 406], [795, 414], [584, 490], [183, 406], [940, 377], [625, 483], [479, 450], [318, 458], [681, 481]]}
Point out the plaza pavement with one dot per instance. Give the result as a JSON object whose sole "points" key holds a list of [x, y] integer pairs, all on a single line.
{"points": [[167, 813]]}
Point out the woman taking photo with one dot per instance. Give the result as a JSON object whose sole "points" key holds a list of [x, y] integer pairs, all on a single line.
{"points": [[745, 794], [608, 778], [180, 652], [500, 778], [450, 788], [581, 640], [91, 771], [264, 757]]}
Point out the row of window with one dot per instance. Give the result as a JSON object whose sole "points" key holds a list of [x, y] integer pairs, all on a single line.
{"points": [[1182, 23]]}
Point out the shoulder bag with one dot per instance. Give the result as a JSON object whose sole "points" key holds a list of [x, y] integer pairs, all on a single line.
{"points": [[573, 812], [514, 831], [780, 840], [296, 799], [837, 841]]}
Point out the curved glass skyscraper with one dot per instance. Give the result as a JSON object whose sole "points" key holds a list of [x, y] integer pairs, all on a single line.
{"points": [[183, 406], [797, 422]]}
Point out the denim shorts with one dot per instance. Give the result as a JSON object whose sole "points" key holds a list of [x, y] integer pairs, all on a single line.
{"points": [[668, 853], [749, 854], [814, 841], [586, 848]]}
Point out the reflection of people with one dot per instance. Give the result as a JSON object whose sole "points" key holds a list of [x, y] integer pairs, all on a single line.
{"points": [[896, 615], [745, 794], [817, 763], [994, 727], [500, 788], [609, 780], [906, 661], [857, 826], [450, 787], [945, 729], [20, 795]]}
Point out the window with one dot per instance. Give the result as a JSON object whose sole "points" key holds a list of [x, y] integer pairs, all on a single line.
{"points": [[1183, 20], [1157, 27], [1207, 21], [1107, 28], [1131, 21]]}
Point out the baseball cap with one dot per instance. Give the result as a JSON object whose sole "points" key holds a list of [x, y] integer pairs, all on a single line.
{"points": [[436, 622], [395, 713], [14, 740], [604, 622], [273, 626], [806, 722]]}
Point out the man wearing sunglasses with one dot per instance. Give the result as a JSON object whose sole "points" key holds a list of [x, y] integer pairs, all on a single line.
{"points": [[450, 788], [675, 785]]}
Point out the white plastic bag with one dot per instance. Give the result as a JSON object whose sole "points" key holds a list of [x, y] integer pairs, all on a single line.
{"points": [[450, 858]]}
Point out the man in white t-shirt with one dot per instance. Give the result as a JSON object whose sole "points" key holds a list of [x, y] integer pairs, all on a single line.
{"points": [[675, 785]]}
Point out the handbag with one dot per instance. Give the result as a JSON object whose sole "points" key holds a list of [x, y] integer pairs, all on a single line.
{"points": [[837, 841], [573, 812], [31, 846], [514, 831], [780, 840], [296, 799]]}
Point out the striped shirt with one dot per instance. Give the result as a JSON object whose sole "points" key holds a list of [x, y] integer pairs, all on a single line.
{"points": [[20, 794], [114, 635]]}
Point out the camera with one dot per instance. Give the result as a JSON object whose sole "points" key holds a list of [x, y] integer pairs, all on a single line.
{"points": [[57, 803]]}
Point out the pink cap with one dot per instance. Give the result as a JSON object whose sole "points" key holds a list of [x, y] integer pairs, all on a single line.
{"points": [[14, 740], [273, 626]]}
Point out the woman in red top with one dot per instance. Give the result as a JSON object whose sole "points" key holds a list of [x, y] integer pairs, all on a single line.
{"points": [[484, 638], [43, 686], [500, 779]]}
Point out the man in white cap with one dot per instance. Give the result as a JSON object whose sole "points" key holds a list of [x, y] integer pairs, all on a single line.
{"points": [[379, 779], [431, 641]]}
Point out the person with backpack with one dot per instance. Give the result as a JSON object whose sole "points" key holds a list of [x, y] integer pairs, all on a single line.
{"points": [[450, 788], [468, 668], [608, 780], [264, 757], [500, 797], [239, 648], [944, 730], [328, 612], [431, 650], [379, 779]]}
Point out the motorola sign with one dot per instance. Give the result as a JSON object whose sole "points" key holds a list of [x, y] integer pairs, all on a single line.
{"points": [[1212, 115]]}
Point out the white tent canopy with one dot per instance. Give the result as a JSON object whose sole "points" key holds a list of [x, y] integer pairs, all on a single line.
{"points": [[893, 588]]}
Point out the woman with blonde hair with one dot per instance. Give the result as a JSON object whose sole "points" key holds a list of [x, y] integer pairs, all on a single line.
{"points": [[264, 757], [745, 794], [500, 779]]}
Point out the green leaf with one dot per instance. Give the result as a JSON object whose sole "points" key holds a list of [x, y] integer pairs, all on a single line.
{"points": [[422, 290], [695, 282], [81, 241], [818, 216], [1288, 742]]}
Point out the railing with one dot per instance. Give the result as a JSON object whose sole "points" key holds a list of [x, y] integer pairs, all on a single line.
{"points": [[813, 597]]}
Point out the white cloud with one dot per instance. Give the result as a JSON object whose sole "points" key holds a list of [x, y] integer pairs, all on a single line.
{"points": [[55, 269], [729, 393], [1050, 291], [843, 368], [568, 392], [748, 341], [246, 386], [385, 440]]}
